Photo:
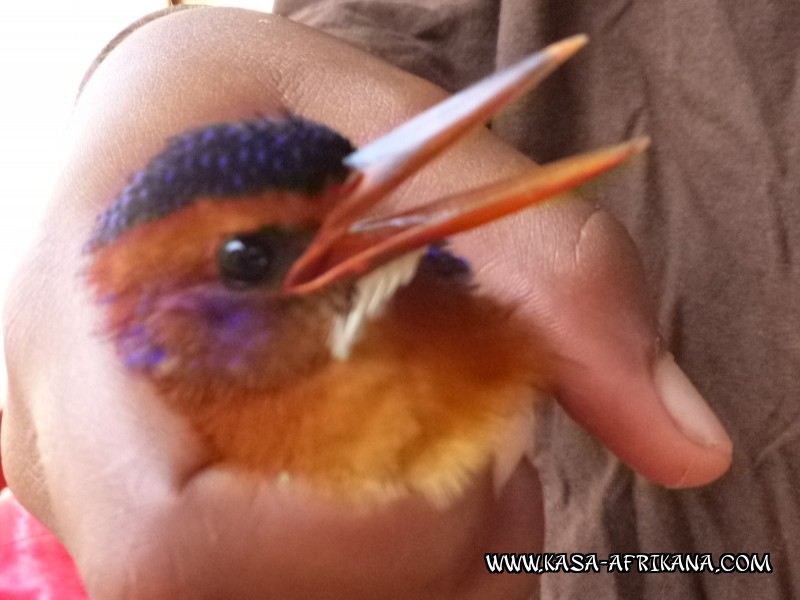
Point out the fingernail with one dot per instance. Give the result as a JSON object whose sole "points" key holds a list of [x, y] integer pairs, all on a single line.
{"points": [[686, 406]]}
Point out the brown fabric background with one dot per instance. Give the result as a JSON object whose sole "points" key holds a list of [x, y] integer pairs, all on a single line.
{"points": [[715, 211]]}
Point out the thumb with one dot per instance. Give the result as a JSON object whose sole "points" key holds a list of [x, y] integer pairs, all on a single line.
{"points": [[574, 272], [613, 374]]}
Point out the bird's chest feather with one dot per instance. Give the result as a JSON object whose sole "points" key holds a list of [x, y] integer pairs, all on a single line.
{"points": [[434, 390]]}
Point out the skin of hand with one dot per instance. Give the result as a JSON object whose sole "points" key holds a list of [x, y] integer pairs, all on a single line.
{"points": [[91, 450]]}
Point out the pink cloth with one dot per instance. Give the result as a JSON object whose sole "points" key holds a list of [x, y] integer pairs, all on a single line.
{"points": [[33, 563]]}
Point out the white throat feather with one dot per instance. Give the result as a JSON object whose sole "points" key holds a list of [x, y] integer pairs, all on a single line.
{"points": [[372, 293]]}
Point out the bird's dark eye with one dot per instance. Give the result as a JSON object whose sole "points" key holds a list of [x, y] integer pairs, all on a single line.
{"points": [[245, 260], [259, 257]]}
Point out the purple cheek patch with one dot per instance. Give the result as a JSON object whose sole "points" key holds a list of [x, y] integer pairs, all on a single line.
{"points": [[145, 358], [138, 350]]}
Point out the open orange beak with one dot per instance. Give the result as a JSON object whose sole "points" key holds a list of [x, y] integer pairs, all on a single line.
{"points": [[349, 244]]}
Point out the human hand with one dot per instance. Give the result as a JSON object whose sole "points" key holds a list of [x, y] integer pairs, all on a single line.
{"points": [[119, 477]]}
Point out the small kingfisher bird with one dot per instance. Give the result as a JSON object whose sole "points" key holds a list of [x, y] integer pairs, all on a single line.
{"points": [[242, 272]]}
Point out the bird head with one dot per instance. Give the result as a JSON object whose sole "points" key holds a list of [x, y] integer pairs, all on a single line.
{"points": [[306, 341]]}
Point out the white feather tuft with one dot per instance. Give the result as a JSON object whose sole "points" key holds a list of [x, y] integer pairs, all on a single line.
{"points": [[372, 293]]}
